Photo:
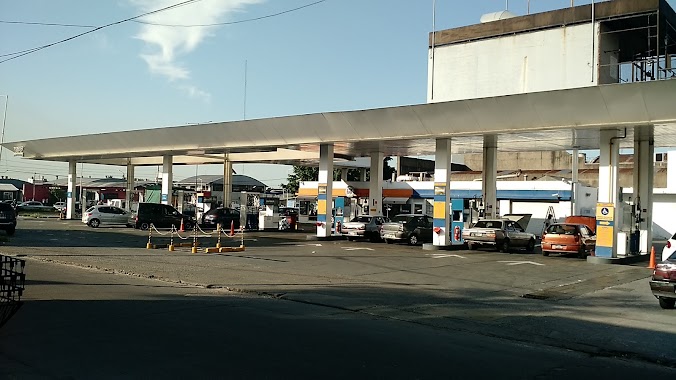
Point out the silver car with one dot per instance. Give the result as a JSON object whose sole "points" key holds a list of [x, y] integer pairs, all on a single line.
{"points": [[103, 214]]}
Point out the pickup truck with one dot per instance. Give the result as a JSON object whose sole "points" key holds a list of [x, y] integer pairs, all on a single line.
{"points": [[504, 234]]}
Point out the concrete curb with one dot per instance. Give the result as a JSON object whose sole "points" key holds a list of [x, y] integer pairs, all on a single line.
{"points": [[618, 260]]}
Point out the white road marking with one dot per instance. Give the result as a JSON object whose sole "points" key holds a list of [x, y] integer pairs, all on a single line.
{"points": [[444, 255], [520, 262], [357, 249], [308, 245]]}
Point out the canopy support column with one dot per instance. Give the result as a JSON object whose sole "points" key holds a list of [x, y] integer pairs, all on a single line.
{"points": [[644, 170], [489, 176], [325, 191], [70, 198], [167, 179], [442, 193], [376, 184]]}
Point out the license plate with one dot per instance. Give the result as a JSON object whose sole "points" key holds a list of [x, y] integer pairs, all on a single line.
{"points": [[554, 246], [352, 233], [388, 236], [476, 234]]}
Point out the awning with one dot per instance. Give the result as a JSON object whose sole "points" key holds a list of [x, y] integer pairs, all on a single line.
{"points": [[395, 200], [306, 198]]}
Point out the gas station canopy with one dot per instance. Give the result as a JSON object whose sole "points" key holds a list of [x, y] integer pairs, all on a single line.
{"points": [[544, 121]]}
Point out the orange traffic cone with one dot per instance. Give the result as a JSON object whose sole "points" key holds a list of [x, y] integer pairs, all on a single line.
{"points": [[652, 258], [182, 229], [232, 228]]}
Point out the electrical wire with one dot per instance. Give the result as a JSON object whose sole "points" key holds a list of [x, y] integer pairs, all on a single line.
{"points": [[230, 22], [33, 50], [46, 24]]}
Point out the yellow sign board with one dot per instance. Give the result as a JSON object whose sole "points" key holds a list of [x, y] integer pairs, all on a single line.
{"points": [[440, 210], [321, 207], [605, 211], [604, 236]]}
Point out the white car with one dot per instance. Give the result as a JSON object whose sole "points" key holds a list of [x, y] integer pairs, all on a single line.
{"points": [[102, 214], [670, 248], [59, 206]]}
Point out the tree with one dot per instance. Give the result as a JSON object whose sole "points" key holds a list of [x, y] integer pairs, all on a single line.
{"points": [[304, 173]]}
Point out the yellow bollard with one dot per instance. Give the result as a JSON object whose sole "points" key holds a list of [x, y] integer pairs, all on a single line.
{"points": [[150, 234], [218, 243], [193, 249], [171, 247]]}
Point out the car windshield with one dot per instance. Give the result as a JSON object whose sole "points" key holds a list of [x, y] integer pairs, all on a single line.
{"points": [[402, 218], [562, 229], [488, 224], [362, 219]]}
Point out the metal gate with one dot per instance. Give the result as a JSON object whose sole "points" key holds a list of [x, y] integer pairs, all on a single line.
{"points": [[12, 285]]}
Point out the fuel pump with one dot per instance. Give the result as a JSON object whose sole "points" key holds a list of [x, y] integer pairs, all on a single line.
{"points": [[635, 234]]}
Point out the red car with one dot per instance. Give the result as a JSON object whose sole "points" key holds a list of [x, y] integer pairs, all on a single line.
{"points": [[568, 238], [663, 282]]}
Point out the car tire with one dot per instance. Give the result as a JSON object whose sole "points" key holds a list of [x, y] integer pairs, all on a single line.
{"points": [[144, 226], [582, 253], [388, 241], [667, 303], [94, 223], [530, 247], [413, 239], [471, 246], [504, 246], [188, 226], [545, 253]]}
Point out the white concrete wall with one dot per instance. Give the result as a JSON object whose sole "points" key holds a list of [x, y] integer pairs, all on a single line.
{"points": [[552, 59]]}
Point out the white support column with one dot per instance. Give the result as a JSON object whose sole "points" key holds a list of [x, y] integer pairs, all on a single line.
{"points": [[575, 170], [227, 180], [644, 170], [442, 193], [130, 186], [167, 180], [376, 184], [489, 176], [71, 195], [325, 191], [608, 213]]}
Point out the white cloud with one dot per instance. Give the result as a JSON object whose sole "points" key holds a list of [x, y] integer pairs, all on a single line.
{"points": [[196, 93], [167, 44]]}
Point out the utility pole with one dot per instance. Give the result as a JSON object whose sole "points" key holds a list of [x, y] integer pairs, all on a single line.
{"points": [[4, 122]]}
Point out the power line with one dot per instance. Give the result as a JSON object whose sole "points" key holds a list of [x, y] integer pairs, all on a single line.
{"points": [[230, 22], [46, 24], [29, 51]]}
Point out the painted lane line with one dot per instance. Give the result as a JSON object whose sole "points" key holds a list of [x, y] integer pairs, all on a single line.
{"points": [[521, 263], [444, 255], [357, 249]]}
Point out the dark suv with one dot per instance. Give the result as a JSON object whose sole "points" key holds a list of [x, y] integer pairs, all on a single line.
{"points": [[7, 218], [159, 215]]}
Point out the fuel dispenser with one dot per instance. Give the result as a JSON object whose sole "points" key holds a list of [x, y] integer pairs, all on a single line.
{"points": [[341, 212], [203, 204], [268, 213], [635, 233], [457, 221]]}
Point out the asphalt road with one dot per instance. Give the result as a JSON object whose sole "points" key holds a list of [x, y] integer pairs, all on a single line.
{"points": [[101, 305]]}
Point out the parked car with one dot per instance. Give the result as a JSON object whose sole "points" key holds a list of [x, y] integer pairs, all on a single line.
{"points": [[568, 238], [33, 206], [663, 282], [97, 215], [59, 206], [223, 215], [7, 218], [159, 215], [503, 234], [669, 248], [364, 226], [410, 228]]}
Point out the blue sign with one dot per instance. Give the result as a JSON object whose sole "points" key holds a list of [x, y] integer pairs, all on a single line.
{"points": [[164, 197], [70, 194], [604, 211]]}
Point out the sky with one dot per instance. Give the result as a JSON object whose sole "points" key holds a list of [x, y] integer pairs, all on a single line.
{"points": [[273, 58]]}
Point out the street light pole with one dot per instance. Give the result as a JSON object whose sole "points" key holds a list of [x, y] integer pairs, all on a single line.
{"points": [[4, 122]]}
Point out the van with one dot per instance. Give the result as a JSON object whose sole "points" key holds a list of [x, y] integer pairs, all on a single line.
{"points": [[588, 221], [159, 215]]}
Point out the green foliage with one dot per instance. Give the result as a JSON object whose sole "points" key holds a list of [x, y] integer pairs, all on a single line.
{"points": [[307, 173]]}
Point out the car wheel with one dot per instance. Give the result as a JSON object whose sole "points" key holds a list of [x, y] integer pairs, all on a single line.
{"points": [[188, 225], [504, 246], [530, 247], [545, 253], [582, 253], [388, 241], [471, 246], [94, 223], [144, 226], [667, 303], [413, 239]]}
